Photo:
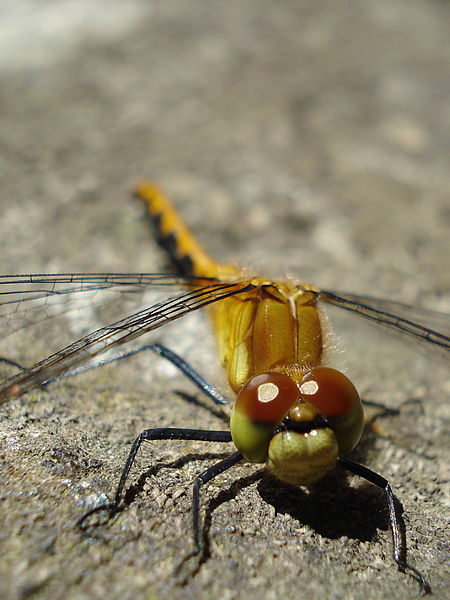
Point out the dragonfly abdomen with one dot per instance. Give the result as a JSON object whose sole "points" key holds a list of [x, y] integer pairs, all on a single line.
{"points": [[175, 238]]}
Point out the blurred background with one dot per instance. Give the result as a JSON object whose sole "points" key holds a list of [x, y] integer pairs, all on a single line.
{"points": [[329, 121]]}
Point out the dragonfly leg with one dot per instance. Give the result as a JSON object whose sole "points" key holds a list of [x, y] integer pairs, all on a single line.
{"points": [[158, 433], [11, 363], [384, 411], [399, 545], [206, 476], [161, 350]]}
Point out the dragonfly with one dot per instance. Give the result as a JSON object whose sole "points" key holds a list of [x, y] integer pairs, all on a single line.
{"points": [[291, 413]]}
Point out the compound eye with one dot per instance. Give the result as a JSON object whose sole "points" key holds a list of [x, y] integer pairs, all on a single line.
{"points": [[260, 406], [330, 391], [267, 398], [337, 399]]}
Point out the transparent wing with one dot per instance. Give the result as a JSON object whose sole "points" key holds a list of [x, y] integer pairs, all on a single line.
{"points": [[26, 300], [426, 325], [117, 333]]}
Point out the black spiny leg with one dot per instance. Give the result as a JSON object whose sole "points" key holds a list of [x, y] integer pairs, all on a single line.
{"points": [[162, 433], [11, 363], [206, 476], [159, 349], [399, 548]]}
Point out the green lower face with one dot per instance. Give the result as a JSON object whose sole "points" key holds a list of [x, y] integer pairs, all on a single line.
{"points": [[250, 438], [348, 429], [302, 458]]}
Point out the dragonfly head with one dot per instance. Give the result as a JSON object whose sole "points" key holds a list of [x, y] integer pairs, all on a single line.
{"points": [[299, 429]]}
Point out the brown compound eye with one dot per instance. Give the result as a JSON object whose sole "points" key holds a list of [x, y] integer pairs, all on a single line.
{"points": [[260, 406], [267, 398], [330, 391], [337, 399]]}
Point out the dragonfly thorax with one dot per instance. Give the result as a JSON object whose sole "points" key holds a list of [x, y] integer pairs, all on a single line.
{"points": [[270, 327]]}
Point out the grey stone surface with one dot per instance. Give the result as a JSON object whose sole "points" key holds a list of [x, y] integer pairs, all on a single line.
{"points": [[299, 138]]}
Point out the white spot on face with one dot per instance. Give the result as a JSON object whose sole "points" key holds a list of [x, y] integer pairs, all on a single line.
{"points": [[267, 392], [309, 388], [311, 433]]}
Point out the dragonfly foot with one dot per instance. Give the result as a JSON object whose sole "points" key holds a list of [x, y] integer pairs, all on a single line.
{"points": [[189, 565], [405, 567], [111, 507]]}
